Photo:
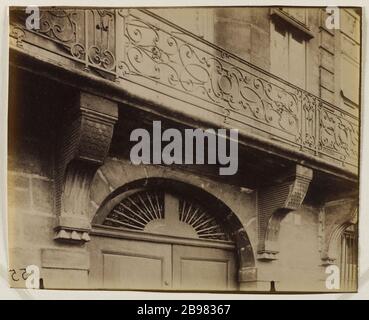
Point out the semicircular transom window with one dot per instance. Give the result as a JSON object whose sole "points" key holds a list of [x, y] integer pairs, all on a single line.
{"points": [[163, 213]]}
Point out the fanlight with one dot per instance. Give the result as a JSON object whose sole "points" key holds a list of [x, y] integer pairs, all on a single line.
{"points": [[143, 209]]}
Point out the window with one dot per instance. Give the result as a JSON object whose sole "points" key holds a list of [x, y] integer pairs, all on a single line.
{"points": [[349, 257], [350, 57], [340, 61], [289, 36], [160, 212]]}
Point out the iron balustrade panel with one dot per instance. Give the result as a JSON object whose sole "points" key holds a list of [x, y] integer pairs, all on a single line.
{"points": [[137, 47]]}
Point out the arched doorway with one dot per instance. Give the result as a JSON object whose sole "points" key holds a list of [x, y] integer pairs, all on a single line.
{"points": [[166, 235], [349, 258]]}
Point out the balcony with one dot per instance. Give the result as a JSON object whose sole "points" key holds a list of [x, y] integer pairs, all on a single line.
{"points": [[149, 57]]}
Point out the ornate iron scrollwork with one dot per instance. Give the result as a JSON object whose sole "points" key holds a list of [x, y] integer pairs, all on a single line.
{"points": [[140, 47]]}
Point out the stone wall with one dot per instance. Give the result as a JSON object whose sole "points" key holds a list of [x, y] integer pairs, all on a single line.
{"points": [[35, 107], [318, 61], [299, 266], [245, 33], [31, 223]]}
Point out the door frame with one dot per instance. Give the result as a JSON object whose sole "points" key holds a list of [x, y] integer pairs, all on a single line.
{"points": [[247, 271], [119, 233], [114, 233]]}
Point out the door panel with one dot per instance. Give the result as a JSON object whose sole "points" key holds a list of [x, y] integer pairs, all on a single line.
{"points": [[126, 264], [154, 239], [196, 268], [134, 264], [132, 272]]}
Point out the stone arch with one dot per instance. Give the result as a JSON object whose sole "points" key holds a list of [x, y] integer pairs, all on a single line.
{"points": [[132, 183], [338, 216]]}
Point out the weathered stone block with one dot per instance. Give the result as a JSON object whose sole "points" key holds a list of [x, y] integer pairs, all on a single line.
{"points": [[350, 48], [23, 257], [327, 41], [260, 18], [326, 95], [19, 198], [42, 194], [64, 279], [15, 226], [99, 188], [234, 37], [234, 14], [326, 79], [17, 181], [27, 156], [19, 192], [260, 48], [350, 23], [327, 60], [38, 230], [64, 259], [19, 260], [351, 70]]}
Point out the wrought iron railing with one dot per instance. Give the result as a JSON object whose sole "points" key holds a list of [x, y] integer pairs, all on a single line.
{"points": [[139, 47]]}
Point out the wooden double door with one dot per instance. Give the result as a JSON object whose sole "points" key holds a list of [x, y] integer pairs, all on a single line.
{"points": [[159, 264], [154, 239]]}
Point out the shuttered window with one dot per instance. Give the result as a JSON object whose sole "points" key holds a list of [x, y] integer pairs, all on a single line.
{"points": [[349, 257]]}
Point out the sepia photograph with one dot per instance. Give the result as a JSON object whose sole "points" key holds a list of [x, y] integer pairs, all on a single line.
{"points": [[184, 149]]}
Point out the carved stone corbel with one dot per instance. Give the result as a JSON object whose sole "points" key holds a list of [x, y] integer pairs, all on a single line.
{"points": [[86, 134], [336, 217], [275, 202]]}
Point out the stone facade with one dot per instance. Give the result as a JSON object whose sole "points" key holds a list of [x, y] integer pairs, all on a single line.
{"points": [[70, 118]]}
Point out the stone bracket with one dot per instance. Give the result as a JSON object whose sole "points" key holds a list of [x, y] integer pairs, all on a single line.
{"points": [[275, 202], [85, 138], [336, 216]]}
